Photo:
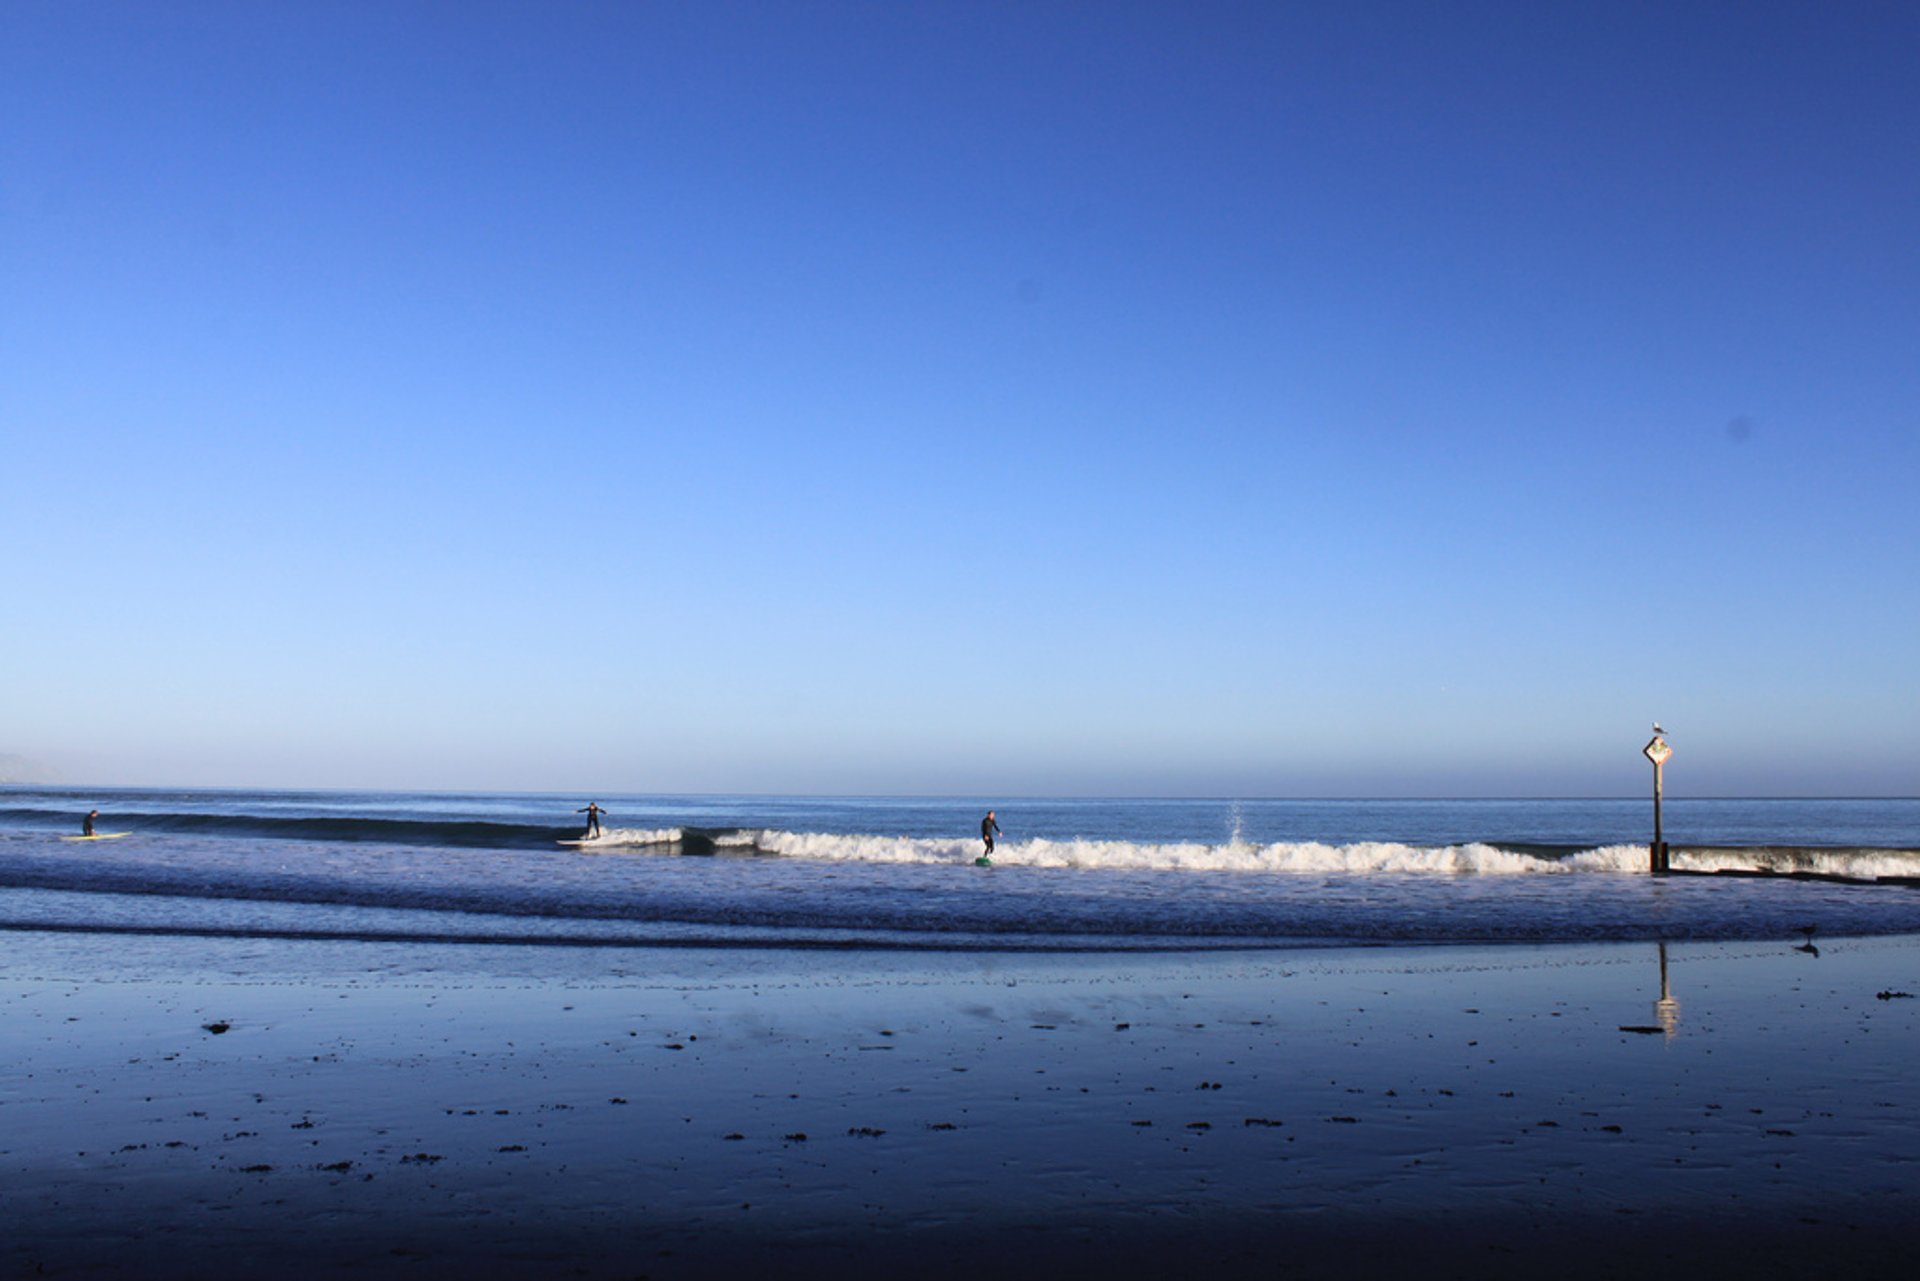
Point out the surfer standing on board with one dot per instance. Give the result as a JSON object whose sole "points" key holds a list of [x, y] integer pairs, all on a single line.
{"points": [[988, 830], [593, 813], [86, 824]]}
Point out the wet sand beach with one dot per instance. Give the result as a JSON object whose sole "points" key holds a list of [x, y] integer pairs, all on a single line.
{"points": [[192, 1107]]}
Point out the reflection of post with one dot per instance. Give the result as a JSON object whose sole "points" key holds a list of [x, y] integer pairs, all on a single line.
{"points": [[1666, 1010]]}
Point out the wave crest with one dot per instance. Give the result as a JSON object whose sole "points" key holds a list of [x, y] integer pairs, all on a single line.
{"points": [[1359, 858]]}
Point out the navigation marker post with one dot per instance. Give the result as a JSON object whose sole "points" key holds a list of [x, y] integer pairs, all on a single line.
{"points": [[1657, 751]]}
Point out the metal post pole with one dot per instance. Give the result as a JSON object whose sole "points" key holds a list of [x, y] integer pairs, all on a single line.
{"points": [[1657, 751], [1659, 862]]}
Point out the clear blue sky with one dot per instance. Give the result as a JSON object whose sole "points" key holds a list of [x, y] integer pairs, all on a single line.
{"points": [[1102, 398]]}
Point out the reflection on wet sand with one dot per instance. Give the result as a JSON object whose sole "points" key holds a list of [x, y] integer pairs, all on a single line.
{"points": [[1666, 1010]]}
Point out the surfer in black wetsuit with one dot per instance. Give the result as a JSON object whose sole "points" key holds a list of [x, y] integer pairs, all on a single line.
{"points": [[988, 830], [86, 824], [593, 813]]}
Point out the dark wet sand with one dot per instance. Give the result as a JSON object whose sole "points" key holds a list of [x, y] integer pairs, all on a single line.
{"points": [[375, 1110]]}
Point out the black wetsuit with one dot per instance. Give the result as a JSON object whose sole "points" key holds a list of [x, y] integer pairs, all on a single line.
{"points": [[593, 813], [987, 829], [86, 826]]}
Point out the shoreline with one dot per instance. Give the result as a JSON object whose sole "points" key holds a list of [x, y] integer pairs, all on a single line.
{"points": [[373, 1109]]}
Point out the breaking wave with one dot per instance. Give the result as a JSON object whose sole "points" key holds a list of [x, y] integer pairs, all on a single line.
{"points": [[1360, 858]]}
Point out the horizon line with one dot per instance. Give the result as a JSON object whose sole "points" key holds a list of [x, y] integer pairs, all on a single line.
{"points": [[1000, 798]]}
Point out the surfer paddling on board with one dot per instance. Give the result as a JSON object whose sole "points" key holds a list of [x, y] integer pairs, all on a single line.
{"points": [[593, 813], [988, 830], [86, 824]]}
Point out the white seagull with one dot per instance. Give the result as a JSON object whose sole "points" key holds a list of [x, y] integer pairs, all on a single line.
{"points": [[1657, 729]]}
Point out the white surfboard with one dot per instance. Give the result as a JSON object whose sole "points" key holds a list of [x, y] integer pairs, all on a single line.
{"points": [[97, 836]]}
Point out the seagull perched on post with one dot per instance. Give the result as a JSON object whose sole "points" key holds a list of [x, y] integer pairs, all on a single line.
{"points": [[1657, 729]]}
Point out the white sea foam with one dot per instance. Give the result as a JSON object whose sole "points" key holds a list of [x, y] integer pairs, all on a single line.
{"points": [[1608, 858], [637, 836], [1865, 864], [862, 849], [1358, 858], [1319, 858]]}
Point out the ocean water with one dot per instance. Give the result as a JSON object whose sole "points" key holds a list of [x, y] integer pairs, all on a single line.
{"points": [[799, 872]]}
